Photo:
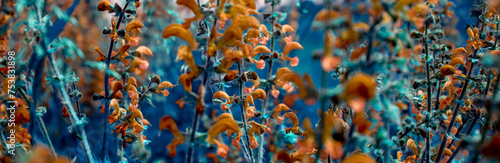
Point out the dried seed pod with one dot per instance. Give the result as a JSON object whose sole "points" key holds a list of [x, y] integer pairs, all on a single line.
{"points": [[416, 35], [243, 77], [252, 75]]}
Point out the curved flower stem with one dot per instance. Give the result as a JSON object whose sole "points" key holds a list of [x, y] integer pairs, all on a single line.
{"points": [[77, 122], [106, 89]]}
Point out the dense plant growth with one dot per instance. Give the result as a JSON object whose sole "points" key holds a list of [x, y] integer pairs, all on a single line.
{"points": [[249, 81]]}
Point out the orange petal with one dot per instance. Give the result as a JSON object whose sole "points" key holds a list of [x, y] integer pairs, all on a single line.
{"points": [[291, 46], [179, 31]]}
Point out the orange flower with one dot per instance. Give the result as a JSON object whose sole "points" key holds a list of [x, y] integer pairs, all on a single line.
{"points": [[358, 157], [446, 70], [224, 95], [256, 128], [360, 86], [64, 111], [104, 5], [293, 117], [193, 6], [178, 31], [259, 94], [167, 122], [225, 123], [417, 14], [474, 38], [277, 110]]}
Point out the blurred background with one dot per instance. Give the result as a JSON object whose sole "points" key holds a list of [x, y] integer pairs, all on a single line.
{"points": [[85, 31]]}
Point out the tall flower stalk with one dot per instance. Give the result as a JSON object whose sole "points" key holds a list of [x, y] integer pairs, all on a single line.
{"points": [[107, 133], [458, 105], [77, 122], [261, 151]]}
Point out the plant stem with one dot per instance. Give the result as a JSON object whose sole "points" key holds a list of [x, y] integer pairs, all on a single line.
{"points": [[243, 115], [436, 105], [485, 93], [144, 92], [319, 137], [77, 102], [196, 119], [260, 153], [496, 34], [194, 127], [474, 121], [45, 133], [106, 90], [456, 110], [20, 90], [370, 42], [459, 147], [429, 93], [488, 120], [457, 106], [77, 122]]}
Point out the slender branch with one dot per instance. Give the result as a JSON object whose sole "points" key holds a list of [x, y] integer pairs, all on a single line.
{"points": [[456, 110], [196, 119], [77, 103], [488, 120], [77, 122], [457, 105], [45, 133], [243, 115], [474, 121], [429, 93], [260, 154], [319, 135], [436, 105], [106, 89], [322, 118]]}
